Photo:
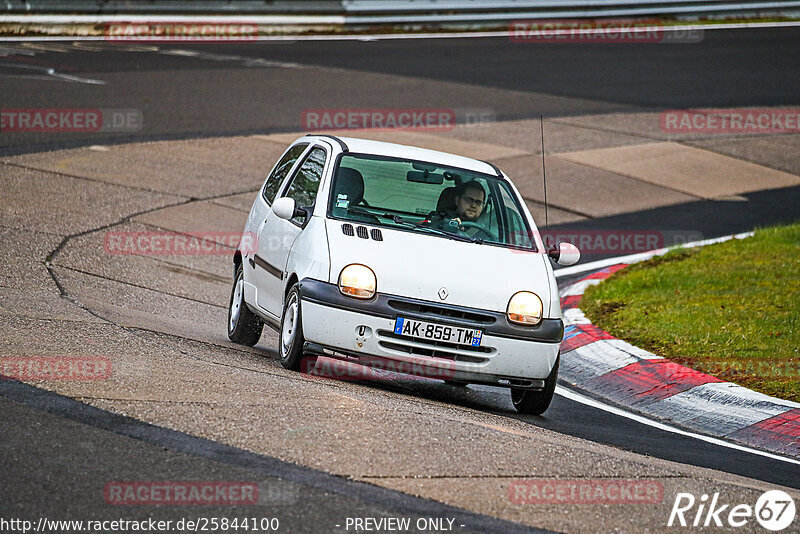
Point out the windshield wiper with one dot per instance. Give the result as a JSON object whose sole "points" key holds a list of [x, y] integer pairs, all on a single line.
{"points": [[416, 226], [352, 209]]}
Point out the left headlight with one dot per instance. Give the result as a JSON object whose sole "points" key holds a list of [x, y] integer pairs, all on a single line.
{"points": [[357, 281], [525, 308]]}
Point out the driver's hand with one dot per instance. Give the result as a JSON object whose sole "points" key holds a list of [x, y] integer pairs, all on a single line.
{"points": [[454, 223]]}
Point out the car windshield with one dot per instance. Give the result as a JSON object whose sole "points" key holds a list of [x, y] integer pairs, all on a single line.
{"points": [[429, 198]]}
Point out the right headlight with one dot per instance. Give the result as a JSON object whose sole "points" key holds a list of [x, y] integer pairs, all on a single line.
{"points": [[357, 281], [525, 308]]}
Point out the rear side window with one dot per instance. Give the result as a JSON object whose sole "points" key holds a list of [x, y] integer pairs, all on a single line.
{"points": [[281, 170], [305, 183]]}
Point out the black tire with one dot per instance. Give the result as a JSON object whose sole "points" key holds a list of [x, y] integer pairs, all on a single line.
{"points": [[536, 402], [290, 333], [244, 327]]}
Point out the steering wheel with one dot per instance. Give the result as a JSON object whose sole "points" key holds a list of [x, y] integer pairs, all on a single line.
{"points": [[479, 226], [448, 224]]}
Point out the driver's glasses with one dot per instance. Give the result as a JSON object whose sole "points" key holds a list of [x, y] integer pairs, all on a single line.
{"points": [[473, 201]]}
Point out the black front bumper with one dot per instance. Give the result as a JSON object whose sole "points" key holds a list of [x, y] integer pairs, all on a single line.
{"points": [[391, 306]]}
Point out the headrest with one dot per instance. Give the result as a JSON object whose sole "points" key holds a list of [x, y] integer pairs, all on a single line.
{"points": [[447, 200], [350, 182]]}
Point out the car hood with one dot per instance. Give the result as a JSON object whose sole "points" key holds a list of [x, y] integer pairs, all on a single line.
{"points": [[418, 265]]}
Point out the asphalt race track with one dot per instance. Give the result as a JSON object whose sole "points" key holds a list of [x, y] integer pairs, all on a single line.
{"points": [[186, 404]]}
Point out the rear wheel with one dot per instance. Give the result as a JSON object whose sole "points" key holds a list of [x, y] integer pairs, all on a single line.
{"points": [[536, 402], [244, 327]]}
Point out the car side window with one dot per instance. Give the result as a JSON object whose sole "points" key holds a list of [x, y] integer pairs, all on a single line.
{"points": [[281, 170], [517, 229], [305, 183]]}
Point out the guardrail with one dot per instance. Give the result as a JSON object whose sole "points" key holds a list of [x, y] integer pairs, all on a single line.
{"points": [[372, 12]]}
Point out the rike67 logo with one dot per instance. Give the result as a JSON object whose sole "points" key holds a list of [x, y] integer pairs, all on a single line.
{"points": [[774, 510]]}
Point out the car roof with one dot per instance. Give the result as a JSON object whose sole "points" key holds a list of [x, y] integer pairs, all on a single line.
{"points": [[368, 146]]}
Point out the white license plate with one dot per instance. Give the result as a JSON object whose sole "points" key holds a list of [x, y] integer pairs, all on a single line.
{"points": [[438, 332]]}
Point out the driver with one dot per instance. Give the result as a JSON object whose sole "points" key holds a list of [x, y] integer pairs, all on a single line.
{"points": [[469, 199]]}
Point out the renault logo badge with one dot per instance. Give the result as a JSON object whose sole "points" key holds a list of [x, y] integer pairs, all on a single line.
{"points": [[443, 293]]}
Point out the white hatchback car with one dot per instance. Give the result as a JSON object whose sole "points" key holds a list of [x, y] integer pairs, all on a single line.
{"points": [[381, 253]]}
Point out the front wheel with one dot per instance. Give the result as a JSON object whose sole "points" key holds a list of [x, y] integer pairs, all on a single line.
{"points": [[290, 336], [536, 402], [244, 327]]}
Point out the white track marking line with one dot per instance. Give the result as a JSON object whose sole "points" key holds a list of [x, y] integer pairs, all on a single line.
{"points": [[45, 73], [577, 397]]}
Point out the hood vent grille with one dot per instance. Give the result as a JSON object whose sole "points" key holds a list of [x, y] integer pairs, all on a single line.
{"points": [[362, 231]]}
